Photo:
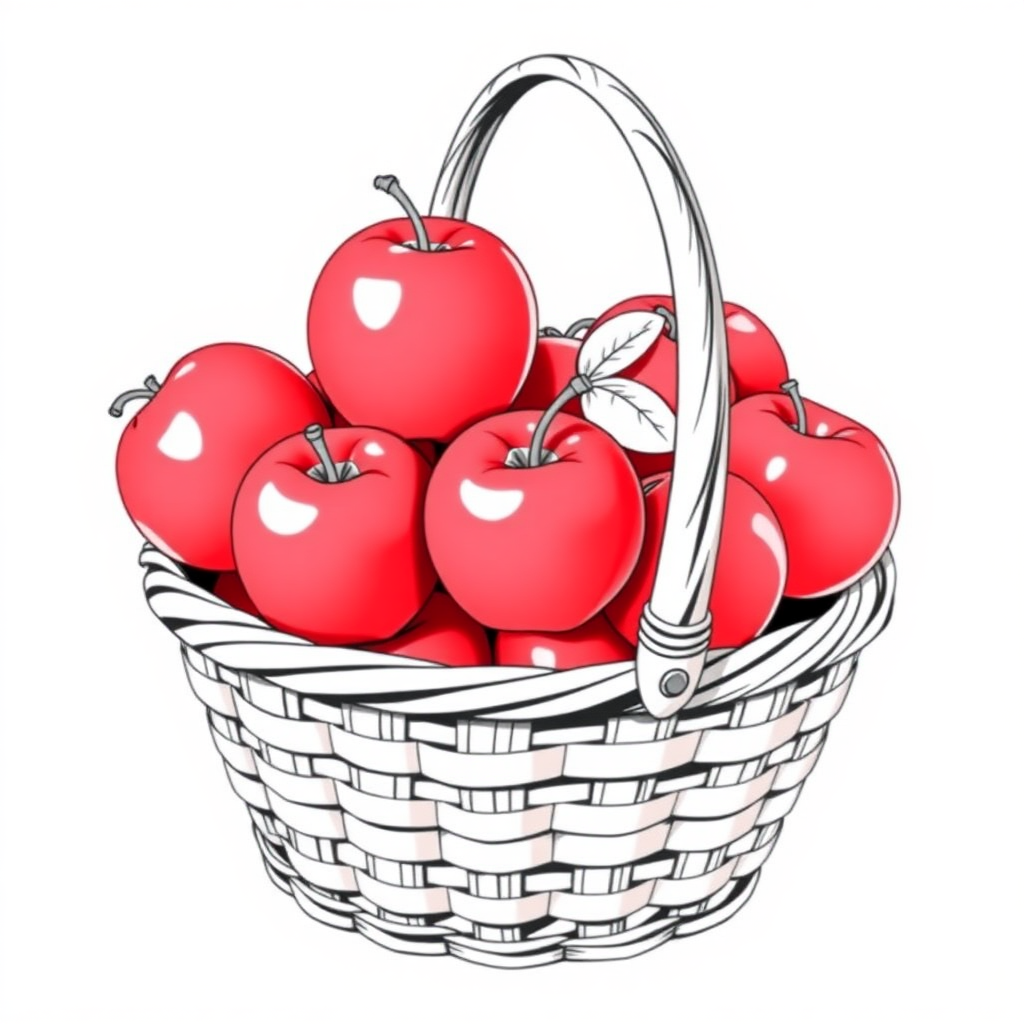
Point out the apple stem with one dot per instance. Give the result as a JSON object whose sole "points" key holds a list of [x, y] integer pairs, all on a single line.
{"points": [[579, 325], [670, 321], [579, 385], [315, 436], [790, 387], [152, 387], [389, 183]]}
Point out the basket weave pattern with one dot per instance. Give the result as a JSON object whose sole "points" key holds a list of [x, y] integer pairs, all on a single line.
{"points": [[521, 840]]}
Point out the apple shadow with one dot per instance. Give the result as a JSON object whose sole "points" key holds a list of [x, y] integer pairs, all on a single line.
{"points": [[792, 610]]}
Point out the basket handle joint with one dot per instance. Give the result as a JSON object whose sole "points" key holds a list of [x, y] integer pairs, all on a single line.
{"points": [[669, 661]]}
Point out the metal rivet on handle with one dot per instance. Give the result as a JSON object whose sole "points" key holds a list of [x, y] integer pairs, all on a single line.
{"points": [[674, 683]]}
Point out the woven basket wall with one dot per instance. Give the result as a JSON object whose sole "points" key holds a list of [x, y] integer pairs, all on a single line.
{"points": [[554, 829]]}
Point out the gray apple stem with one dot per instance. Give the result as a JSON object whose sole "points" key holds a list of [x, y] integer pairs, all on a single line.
{"points": [[579, 385], [587, 321], [389, 183], [790, 387], [670, 318], [315, 436], [152, 387]]}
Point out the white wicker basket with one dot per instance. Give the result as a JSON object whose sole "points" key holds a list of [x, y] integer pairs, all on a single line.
{"points": [[513, 816]]}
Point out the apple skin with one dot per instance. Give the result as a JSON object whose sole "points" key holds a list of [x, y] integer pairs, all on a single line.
{"points": [[335, 563], [422, 343], [833, 489], [657, 368], [440, 632], [183, 454], [756, 360], [337, 420], [228, 587], [749, 575], [596, 642], [554, 365], [428, 449], [540, 548]]}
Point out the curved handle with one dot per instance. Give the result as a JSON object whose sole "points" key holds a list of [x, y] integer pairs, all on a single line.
{"points": [[675, 627]]}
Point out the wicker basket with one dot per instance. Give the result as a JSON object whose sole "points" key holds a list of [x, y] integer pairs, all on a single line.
{"points": [[513, 816]]}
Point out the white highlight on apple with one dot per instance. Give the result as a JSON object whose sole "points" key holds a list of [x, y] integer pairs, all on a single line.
{"points": [[764, 529], [821, 430], [182, 440], [399, 248], [489, 504], [373, 448], [531, 427], [543, 657], [575, 439], [284, 516], [376, 300], [187, 368], [742, 323], [157, 541], [775, 468]]}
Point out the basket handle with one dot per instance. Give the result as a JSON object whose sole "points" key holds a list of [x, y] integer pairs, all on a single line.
{"points": [[675, 627]]}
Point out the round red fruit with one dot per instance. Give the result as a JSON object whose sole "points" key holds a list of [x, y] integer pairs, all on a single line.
{"points": [[533, 547], [829, 480], [749, 574], [328, 535], [337, 420], [657, 368], [422, 326], [442, 632], [229, 588], [554, 364], [594, 643], [756, 360], [184, 453]]}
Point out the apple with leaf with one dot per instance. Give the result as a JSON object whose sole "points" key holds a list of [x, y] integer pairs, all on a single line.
{"points": [[534, 518]]}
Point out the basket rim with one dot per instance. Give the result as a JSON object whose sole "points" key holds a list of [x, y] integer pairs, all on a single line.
{"points": [[242, 643]]}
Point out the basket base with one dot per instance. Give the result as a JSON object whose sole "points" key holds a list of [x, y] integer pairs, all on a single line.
{"points": [[534, 952]]}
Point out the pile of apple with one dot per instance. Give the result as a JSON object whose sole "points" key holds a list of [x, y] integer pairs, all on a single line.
{"points": [[451, 484]]}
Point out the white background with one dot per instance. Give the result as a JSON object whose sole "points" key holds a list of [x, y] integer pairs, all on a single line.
{"points": [[175, 175]]}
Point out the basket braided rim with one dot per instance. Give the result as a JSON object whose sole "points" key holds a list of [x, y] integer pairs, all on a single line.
{"points": [[243, 643]]}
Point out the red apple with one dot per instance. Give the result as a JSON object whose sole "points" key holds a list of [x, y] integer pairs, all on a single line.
{"points": [[554, 365], [749, 575], [594, 643], [829, 480], [756, 360], [337, 420], [183, 454], [525, 541], [426, 448], [441, 632], [328, 535], [422, 336], [657, 368], [229, 588]]}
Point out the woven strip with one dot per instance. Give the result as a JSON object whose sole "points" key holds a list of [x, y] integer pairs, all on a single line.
{"points": [[237, 641], [506, 816]]}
